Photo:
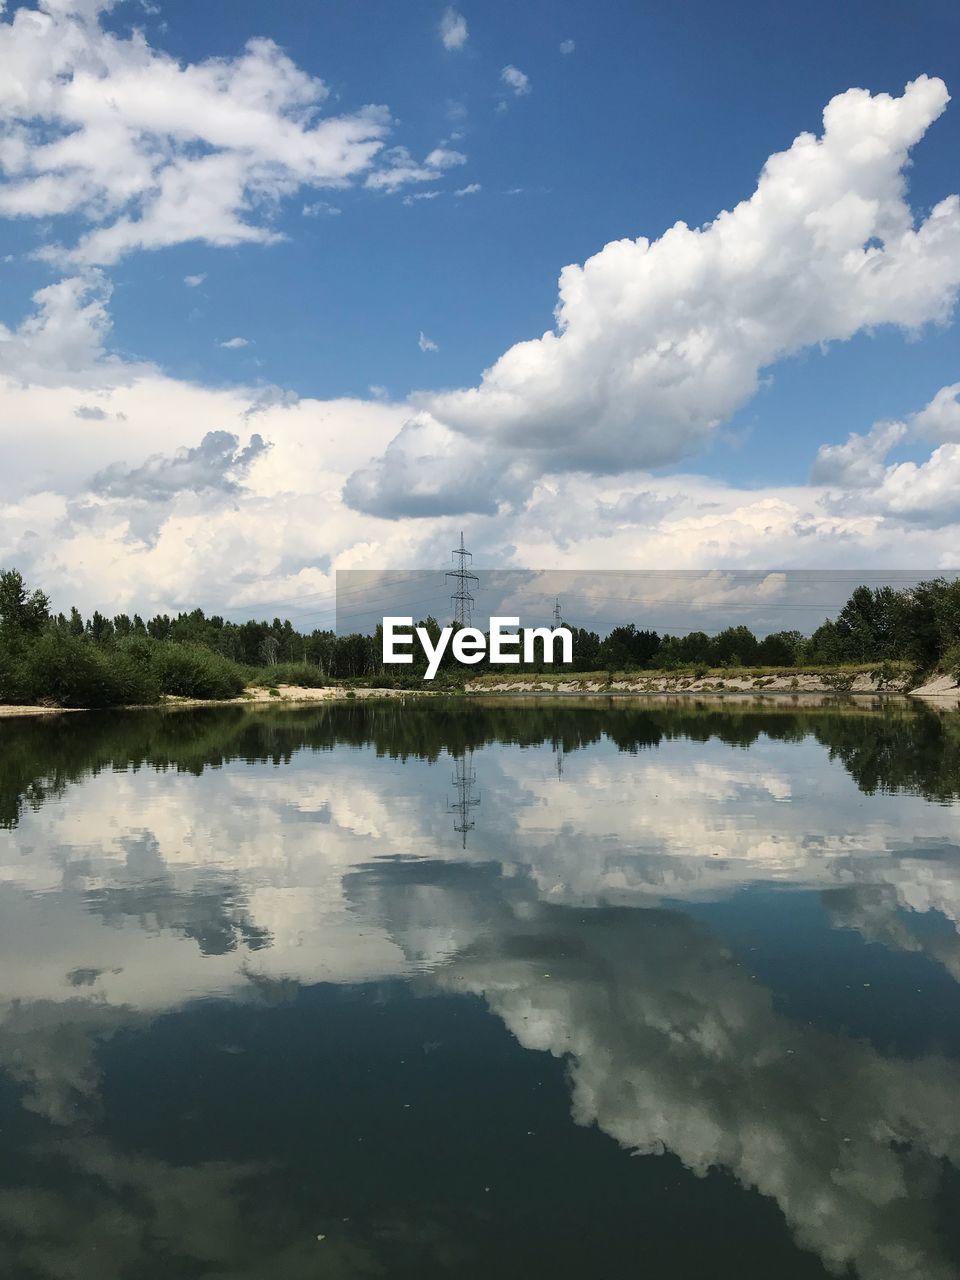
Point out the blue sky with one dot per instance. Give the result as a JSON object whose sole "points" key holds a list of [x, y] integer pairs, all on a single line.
{"points": [[652, 115], [660, 113]]}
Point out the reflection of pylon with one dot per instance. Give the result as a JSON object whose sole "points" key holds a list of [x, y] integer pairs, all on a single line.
{"points": [[461, 599], [560, 759], [464, 779]]}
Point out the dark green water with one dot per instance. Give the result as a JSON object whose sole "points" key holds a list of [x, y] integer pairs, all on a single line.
{"points": [[481, 989]]}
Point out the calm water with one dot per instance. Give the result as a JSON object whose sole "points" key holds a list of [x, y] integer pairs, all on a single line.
{"points": [[541, 989]]}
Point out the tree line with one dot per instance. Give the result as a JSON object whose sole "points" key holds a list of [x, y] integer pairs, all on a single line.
{"points": [[123, 659]]}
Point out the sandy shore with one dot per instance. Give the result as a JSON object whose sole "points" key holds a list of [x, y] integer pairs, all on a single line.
{"points": [[6, 711], [942, 691], [286, 694]]}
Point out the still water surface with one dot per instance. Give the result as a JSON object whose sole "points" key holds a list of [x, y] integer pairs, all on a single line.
{"points": [[550, 989]]}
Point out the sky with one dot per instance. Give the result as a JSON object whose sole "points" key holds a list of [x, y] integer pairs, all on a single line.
{"points": [[292, 289]]}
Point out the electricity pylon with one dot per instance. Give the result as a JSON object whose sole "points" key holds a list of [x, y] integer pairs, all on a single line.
{"points": [[464, 780], [461, 599], [557, 620]]}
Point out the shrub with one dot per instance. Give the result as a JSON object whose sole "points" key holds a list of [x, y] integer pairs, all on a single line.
{"points": [[192, 671], [951, 661], [71, 672], [297, 673], [11, 677]]}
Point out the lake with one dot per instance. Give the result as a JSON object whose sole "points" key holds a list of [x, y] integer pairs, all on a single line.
{"points": [[467, 987]]}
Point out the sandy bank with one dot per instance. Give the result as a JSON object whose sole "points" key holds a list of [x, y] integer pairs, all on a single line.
{"points": [[861, 682], [253, 697], [943, 689]]}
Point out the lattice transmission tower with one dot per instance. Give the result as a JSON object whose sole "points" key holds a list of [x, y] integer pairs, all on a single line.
{"points": [[557, 619], [461, 599], [464, 779]]}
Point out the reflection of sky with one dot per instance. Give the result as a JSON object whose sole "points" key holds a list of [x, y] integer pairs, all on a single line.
{"points": [[673, 1046], [137, 892]]}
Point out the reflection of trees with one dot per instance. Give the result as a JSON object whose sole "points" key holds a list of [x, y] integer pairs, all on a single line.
{"points": [[895, 748], [672, 1046], [910, 754]]}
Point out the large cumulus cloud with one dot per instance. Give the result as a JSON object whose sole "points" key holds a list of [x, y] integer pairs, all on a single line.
{"points": [[658, 342]]}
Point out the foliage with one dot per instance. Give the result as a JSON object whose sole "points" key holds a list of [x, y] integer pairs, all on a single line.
{"points": [[63, 669], [21, 615], [894, 749], [68, 671], [301, 674], [104, 661], [192, 671]]}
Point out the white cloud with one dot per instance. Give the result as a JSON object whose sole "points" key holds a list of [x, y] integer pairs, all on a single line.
{"points": [[567, 47], [658, 343], [516, 80], [234, 344], [63, 339], [940, 420], [421, 195], [425, 343], [401, 168], [453, 29], [928, 492], [151, 151], [321, 208], [444, 158], [470, 189], [426, 471], [274, 537], [860, 462], [193, 282]]}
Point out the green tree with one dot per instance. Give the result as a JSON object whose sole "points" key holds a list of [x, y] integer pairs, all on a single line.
{"points": [[99, 628], [21, 614]]}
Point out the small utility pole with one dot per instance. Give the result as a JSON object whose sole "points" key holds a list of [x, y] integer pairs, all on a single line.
{"points": [[461, 599]]}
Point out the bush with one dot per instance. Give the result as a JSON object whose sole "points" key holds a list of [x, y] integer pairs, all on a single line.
{"points": [[192, 671], [9, 676], [71, 672], [296, 673], [951, 661]]}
